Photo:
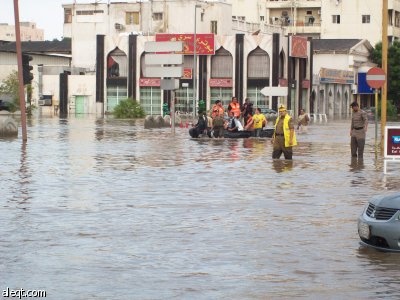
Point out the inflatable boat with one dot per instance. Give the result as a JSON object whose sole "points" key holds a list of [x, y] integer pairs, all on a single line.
{"points": [[265, 133], [268, 132]]}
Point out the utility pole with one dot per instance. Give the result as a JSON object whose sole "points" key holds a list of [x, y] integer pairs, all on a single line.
{"points": [[384, 67], [20, 71]]}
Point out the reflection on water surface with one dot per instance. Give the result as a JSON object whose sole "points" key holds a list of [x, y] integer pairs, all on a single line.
{"points": [[104, 209]]}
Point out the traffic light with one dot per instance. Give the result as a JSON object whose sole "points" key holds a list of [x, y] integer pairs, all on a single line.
{"points": [[26, 68]]}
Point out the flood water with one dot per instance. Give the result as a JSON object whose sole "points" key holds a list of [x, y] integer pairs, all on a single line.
{"points": [[105, 209]]}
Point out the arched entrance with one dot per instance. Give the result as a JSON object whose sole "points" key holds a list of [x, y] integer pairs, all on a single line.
{"points": [[258, 74], [117, 73]]}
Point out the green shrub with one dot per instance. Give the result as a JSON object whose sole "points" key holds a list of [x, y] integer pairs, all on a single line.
{"points": [[128, 109]]}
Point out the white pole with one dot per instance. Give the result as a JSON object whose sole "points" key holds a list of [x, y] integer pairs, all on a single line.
{"points": [[195, 60]]}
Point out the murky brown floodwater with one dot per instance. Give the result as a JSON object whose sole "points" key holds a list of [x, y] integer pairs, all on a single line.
{"points": [[104, 209]]}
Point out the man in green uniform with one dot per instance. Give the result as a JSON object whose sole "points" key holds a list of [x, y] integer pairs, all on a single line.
{"points": [[358, 129], [284, 137]]}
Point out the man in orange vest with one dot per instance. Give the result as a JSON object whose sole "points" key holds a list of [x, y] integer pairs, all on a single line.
{"points": [[217, 109], [234, 107]]}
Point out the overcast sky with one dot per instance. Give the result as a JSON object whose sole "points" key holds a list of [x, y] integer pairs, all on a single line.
{"points": [[47, 14]]}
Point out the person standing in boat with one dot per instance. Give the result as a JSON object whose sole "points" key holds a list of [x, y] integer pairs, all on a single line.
{"points": [[217, 108], [249, 125], [218, 125], [247, 109], [259, 121], [234, 107], [284, 137]]}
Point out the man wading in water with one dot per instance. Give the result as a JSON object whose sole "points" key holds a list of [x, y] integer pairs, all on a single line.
{"points": [[284, 137]]}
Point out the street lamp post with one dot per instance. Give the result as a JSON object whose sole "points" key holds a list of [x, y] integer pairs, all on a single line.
{"points": [[195, 60]]}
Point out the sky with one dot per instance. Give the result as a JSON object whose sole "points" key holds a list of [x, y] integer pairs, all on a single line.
{"points": [[47, 14]]}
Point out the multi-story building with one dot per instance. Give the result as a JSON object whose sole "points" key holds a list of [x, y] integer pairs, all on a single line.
{"points": [[109, 39], [246, 53], [28, 30], [325, 19]]}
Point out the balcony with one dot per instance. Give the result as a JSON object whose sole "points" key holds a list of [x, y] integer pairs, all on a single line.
{"points": [[293, 3]]}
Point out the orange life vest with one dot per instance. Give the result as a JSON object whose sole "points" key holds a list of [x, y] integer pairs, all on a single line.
{"points": [[250, 120], [235, 108], [217, 108]]}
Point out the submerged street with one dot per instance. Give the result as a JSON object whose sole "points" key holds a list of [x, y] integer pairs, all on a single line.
{"points": [[105, 209]]}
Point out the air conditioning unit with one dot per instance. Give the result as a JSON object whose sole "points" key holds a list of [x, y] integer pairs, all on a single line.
{"points": [[118, 26], [46, 100]]}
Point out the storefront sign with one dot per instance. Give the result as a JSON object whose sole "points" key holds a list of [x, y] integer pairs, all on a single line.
{"points": [[392, 142], [221, 82], [305, 84], [392, 146], [149, 82], [298, 46], [187, 73], [283, 82], [336, 76], [205, 44], [363, 87]]}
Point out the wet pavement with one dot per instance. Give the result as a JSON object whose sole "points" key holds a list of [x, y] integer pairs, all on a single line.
{"points": [[104, 209]]}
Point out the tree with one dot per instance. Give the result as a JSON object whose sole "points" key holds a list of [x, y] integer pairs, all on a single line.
{"points": [[10, 87], [393, 76]]}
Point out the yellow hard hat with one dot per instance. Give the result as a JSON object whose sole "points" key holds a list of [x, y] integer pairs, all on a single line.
{"points": [[282, 107]]}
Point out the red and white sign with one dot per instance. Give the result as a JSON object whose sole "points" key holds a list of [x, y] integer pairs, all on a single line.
{"points": [[149, 82], [376, 78], [205, 44], [221, 82]]}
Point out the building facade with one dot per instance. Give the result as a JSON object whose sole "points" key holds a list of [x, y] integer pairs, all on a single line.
{"points": [[108, 42], [339, 76], [325, 19], [28, 31]]}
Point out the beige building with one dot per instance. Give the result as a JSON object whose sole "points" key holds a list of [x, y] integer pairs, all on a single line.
{"points": [[29, 32], [325, 19], [108, 41]]}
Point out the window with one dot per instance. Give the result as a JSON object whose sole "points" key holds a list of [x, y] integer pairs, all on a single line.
{"points": [[158, 16], [67, 15], [262, 18], [214, 28], [258, 64], [336, 19], [366, 19], [222, 64], [132, 18], [88, 12]]}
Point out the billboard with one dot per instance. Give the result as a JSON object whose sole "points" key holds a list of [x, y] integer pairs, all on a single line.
{"points": [[205, 44], [363, 87], [392, 142]]}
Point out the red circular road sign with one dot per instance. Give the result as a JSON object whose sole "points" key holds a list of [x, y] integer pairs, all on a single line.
{"points": [[376, 78]]}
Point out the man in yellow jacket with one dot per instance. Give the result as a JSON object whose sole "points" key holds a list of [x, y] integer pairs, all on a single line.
{"points": [[284, 137]]}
